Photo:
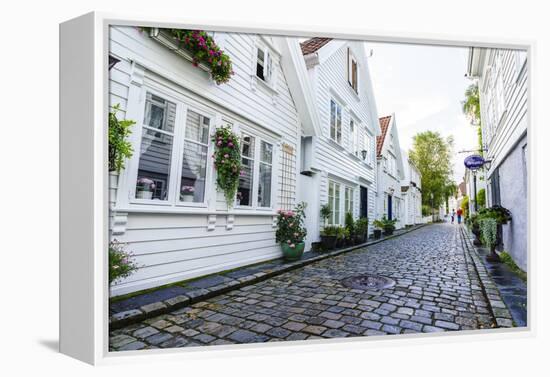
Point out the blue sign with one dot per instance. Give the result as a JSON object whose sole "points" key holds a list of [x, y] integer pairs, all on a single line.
{"points": [[474, 162]]}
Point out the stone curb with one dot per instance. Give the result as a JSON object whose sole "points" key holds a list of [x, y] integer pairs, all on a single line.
{"points": [[154, 309], [499, 310]]}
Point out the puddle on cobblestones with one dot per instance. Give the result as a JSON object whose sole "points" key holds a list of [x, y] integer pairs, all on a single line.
{"points": [[368, 281]]}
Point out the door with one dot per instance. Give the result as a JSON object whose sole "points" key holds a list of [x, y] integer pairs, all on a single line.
{"points": [[390, 212], [364, 202]]}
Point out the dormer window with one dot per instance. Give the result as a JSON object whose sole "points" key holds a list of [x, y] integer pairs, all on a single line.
{"points": [[353, 72]]}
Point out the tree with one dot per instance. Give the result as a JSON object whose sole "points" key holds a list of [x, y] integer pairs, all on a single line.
{"points": [[472, 110], [431, 154]]}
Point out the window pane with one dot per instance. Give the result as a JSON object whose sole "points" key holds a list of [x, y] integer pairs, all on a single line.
{"points": [[197, 127], [332, 120], [193, 173], [266, 152], [336, 203], [244, 191], [260, 64], [159, 113], [154, 165], [247, 146], [264, 186]]}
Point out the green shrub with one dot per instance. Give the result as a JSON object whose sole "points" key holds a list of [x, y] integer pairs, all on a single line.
{"points": [[488, 229], [120, 149], [290, 226], [362, 225], [330, 230], [465, 205], [385, 224], [350, 223], [121, 263], [480, 197], [325, 212], [507, 259]]}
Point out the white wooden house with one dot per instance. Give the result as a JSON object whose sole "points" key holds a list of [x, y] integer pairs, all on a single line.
{"points": [[338, 156], [390, 172], [411, 192], [176, 235], [502, 78]]}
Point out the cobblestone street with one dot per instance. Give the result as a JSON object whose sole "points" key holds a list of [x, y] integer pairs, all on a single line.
{"points": [[437, 289]]}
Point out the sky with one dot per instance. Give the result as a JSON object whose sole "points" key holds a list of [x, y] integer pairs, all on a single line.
{"points": [[424, 87]]}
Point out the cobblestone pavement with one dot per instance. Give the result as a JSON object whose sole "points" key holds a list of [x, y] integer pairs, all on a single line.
{"points": [[437, 289]]}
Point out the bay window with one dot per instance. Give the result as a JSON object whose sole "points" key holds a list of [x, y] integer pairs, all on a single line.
{"points": [[335, 121]]}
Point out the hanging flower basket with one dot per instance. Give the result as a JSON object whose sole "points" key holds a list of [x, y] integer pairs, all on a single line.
{"points": [[227, 162]]}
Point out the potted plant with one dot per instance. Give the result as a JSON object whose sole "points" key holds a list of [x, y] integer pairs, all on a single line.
{"points": [[291, 232], [328, 237], [145, 188], [361, 230], [377, 232], [350, 227], [488, 230], [388, 226], [342, 234], [187, 193], [325, 213]]}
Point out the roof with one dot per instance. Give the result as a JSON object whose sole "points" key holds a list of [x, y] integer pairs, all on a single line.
{"points": [[313, 45], [384, 125]]}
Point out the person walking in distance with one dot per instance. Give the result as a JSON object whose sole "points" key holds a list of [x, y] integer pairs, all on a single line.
{"points": [[459, 215], [453, 216]]}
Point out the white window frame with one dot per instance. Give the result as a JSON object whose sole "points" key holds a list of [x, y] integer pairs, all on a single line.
{"points": [[353, 141], [349, 202], [336, 187], [271, 59], [176, 162], [521, 62], [258, 137], [337, 126], [351, 60]]}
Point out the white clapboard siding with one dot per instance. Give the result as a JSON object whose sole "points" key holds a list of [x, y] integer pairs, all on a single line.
{"points": [[337, 161], [173, 247], [514, 123]]}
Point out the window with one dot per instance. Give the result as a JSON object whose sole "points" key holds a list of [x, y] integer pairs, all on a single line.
{"points": [[521, 59], [155, 156], [158, 153], [264, 187], [244, 191], [334, 202], [367, 147], [353, 137], [352, 71], [348, 200], [256, 180], [195, 156], [264, 65], [335, 121]]}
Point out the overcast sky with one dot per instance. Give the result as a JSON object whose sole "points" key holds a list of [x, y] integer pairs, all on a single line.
{"points": [[424, 87]]}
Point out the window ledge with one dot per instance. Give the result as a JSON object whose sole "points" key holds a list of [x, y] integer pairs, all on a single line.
{"points": [[259, 82], [195, 211], [336, 145]]}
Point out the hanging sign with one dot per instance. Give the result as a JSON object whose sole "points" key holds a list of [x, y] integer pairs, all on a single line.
{"points": [[474, 162]]}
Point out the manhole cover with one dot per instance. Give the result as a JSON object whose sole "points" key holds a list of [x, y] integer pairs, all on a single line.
{"points": [[367, 281]]}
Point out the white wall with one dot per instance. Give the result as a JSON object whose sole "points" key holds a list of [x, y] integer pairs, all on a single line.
{"points": [[181, 243]]}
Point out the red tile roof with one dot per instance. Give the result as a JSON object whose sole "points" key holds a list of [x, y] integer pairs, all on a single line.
{"points": [[312, 45], [384, 125]]}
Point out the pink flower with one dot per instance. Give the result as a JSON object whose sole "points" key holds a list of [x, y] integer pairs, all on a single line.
{"points": [[223, 161], [288, 242], [292, 245], [226, 155], [230, 145], [219, 143]]}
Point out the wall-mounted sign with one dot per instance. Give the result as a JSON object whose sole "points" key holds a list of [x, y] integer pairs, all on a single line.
{"points": [[474, 162]]}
